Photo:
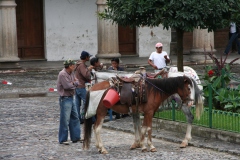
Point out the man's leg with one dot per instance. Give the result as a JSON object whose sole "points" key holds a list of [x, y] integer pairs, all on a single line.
{"points": [[238, 43], [82, 94], [65, 111], [78, 104], [232, 38], [74, 125]]}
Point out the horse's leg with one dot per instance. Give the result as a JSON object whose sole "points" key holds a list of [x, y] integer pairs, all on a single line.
{"points": [[137, 124], [189, 116], [149, 140], [97, 130], [147, 127]]}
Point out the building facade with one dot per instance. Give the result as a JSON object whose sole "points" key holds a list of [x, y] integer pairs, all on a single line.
{"points": [[55, 30]]}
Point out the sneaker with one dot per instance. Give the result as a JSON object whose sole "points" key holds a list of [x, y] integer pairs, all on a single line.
{"points": [[80, 140], [65, 143]]}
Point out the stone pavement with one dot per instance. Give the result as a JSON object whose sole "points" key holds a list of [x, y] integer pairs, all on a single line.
{"points": [[29, 121], [29, 131]]}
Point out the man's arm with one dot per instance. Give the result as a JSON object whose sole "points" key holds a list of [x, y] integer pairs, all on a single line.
{"points": [[151, 63], [167, 60]]}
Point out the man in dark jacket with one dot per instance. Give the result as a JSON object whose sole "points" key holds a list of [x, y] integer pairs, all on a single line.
{"points": [[83, 74]]}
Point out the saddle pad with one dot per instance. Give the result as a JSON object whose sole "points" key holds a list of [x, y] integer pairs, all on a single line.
{"points": [[95, 97], [188, 71]]}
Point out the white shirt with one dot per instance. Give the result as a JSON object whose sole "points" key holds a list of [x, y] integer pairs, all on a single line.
{"points": [[158, 59], [233, 27]]}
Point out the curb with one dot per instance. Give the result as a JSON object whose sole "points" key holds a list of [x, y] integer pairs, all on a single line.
{"points": [[27, 95], [126, 125]]}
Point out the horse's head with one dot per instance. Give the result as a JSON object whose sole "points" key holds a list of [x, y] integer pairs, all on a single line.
{"points": [[185, 92]]}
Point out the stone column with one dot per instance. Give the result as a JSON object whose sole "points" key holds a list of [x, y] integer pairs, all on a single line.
{"points": [[201, 39], [8, 35], [107, 36]]}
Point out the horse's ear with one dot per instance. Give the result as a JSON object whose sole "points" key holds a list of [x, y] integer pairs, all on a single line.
{"points": [[187, 80]]}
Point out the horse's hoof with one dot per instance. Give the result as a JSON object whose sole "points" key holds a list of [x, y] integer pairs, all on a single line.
{"points": [[144, 150], [153, 150], [183, 145], [103, 152], [134, 146]]}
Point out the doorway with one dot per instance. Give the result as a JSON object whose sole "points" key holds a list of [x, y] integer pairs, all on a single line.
{"points": [[29, 16], [127, 40]]}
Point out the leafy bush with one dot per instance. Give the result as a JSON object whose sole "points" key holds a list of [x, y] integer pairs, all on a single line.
{"points": [[219, 76]]}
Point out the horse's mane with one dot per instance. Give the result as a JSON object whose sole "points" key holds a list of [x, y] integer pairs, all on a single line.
{"points": [[167, 85]]}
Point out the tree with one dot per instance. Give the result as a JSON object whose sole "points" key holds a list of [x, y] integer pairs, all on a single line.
{"points": [[183, 15]]}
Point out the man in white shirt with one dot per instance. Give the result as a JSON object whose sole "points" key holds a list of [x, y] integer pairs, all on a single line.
{"points": [[233, 36], [158, 59]]}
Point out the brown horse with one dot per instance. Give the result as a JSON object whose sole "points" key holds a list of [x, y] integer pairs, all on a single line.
{"points": [[157, 90]]}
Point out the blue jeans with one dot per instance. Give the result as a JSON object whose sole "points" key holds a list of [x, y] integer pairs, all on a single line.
{"points": [[80, 99], [234, 37], [68, 119]]}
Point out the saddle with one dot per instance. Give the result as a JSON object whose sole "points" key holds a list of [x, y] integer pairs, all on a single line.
{"points": [[132, 90], [161, 74]]}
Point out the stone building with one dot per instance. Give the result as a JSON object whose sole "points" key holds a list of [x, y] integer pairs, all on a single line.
{"points": [[54, 30]]}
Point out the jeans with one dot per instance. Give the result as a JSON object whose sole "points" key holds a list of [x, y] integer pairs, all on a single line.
{"points": [[68, 119], [234, 37], [80, 99]]}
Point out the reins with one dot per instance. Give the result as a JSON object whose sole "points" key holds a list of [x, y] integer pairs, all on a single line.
{"points": [[144, 77]]}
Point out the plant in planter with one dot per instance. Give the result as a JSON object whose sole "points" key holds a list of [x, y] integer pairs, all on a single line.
{"points": [[219, 76]]}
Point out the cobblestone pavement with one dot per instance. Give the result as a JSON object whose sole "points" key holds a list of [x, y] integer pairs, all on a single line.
{"points": [[29, 129]]}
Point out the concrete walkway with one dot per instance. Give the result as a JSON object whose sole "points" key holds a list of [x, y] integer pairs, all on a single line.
{"points": [[127, 62]]}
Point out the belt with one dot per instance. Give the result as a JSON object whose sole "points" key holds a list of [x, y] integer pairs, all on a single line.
{"points": [[66, 96], [160, 68]]}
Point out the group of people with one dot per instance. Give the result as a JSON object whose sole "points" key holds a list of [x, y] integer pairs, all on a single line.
{"points": [[72, 90]]}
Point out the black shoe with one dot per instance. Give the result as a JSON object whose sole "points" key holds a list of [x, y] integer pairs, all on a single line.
{"points": [[125, 115], [80, 140], [118, 116], [65, 143]]}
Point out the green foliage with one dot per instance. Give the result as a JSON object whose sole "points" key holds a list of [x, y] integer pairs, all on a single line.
{"points": [[183, 15], [186, 14], [219, 77]]}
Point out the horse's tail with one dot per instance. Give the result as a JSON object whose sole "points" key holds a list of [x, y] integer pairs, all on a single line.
{"points": [[87, 125], [198, 100]]}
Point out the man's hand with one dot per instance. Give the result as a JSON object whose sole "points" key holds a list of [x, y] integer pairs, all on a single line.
{"points": [[155, 67], [90, 67]]}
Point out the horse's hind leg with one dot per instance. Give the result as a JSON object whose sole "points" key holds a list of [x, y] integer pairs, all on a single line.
{"points": [[189, 116], [97, 129], [137, 131]]}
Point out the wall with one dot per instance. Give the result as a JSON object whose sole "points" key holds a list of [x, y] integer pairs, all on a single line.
{"points": [[70, 27], [148, 37]]}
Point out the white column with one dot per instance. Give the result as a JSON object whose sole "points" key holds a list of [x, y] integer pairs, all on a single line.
{"points": [[8, 31], [202, 39], [107, 35]]}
